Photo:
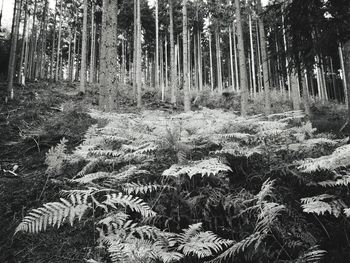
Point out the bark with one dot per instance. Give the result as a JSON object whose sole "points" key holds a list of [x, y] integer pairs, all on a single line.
{"points": [[172, 55], [59, 44], [134, 50], [342, 64], [84, 50], [157, 47], [186, 73], [42, 53], [211, 63], [108, 56], [252, 56], [347, 73], [53, 44], [12, 62], [218, 59], [242, 61], [138, 57], [264, 59], [23, 48], [231, 60], [93, 46]]}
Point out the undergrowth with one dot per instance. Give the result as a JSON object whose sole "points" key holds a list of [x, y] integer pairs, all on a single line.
{"points": [[205, 186]]}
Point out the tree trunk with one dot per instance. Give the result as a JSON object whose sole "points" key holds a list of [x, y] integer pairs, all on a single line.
{"points": [[264, 59], [211, 63], [342, 64], [93, 46], [186, 73], [139, 56], [83, 50], [12, 63], [252, 56], [109, 55], [134, 51], [172, 55], [157, 47], [242, 61], [23, 48], [59, 44], [53, 44], [231, 60], [218, 58], [347, 73]]}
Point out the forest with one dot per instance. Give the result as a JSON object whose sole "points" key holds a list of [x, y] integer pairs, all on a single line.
{"points": [[150, 131]]}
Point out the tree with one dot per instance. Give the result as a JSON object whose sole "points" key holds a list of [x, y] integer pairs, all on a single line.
{"points": [[173, 78], [242, 60], [109, 56], [347, 72], [84, 49], [186, 72], [139, 57], [12, 63], [264, 59]]}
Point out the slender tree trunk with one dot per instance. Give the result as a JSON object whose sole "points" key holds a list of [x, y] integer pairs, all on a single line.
{"points": [[200, 65], [134, 85], [218, 58], [24, 43], [342, 64], [347, 73], [93, 46], [236, 56], [53, 44], [109, 55], [32, 55], [211, 63], [187, 103], [12, 63], [172, 55], [58, 54], [83, 50], [231, 60], [166, 63], [42, 53], [139, 56], [157, 46], [264, 59], [242, 61], [252, 56]]}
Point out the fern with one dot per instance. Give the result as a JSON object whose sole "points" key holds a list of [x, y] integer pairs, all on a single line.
{"points": [[204, 168], [313, 255], [134, 203], [137, 188], [338, 159], [322, 204], [55, 158], [53, 214]]}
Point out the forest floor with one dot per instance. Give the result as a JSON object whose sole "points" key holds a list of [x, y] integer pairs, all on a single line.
{"points": [[36, 120]]}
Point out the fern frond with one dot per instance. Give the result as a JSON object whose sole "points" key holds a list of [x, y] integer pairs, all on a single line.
{"points": [[322, 204], [338, 159], [342, 180], [134, 203], [53, 214], [204, 244], [235, 249], [106, 153], [314, 255], [88, 178], [137, 188], [204, 168], [90, 166], [268, 215]]}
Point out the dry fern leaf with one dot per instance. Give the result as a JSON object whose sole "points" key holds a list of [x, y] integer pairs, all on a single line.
{"points": [[204, 168]]}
